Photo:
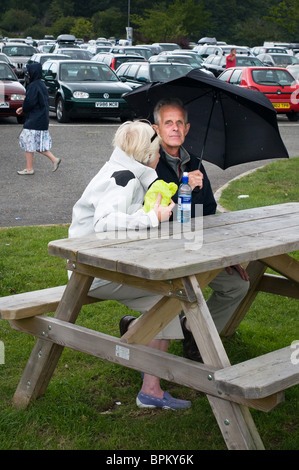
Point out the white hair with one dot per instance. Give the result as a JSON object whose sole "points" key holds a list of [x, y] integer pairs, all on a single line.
{"points": [[138, 140]]}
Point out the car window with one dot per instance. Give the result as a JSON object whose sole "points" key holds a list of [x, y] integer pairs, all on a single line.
{"points": [[236, 77], [272, 77], [132, 71], [6, 72], [18, 51], [225, 75], [143, 73]]}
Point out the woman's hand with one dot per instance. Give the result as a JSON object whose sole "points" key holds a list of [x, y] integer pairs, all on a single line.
{"points": [[19, 111], [163, 213]]}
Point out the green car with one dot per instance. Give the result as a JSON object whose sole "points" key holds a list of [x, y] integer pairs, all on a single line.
{"points": [[81, 88]]}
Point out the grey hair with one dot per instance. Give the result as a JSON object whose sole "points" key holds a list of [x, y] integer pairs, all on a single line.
{"points": [[174, 102], [136, 139]]}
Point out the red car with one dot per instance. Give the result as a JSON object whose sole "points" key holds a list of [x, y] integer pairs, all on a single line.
{"points": [[276, 83], [12, 93]]}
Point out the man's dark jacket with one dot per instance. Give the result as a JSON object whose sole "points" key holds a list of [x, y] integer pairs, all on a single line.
{"points": [[36, 103], [203, 196]]}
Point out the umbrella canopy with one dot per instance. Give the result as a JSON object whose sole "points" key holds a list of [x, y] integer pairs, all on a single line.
{"points": [[229, 124]]}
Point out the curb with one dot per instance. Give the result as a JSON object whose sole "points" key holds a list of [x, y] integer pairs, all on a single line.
{"points": [[218, 193]]}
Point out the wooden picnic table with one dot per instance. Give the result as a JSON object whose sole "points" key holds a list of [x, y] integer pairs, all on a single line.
{"points": [[178, 266]]}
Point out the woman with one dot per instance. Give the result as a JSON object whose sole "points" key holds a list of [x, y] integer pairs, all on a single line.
{"points": [[113, 201], [35, 136]]}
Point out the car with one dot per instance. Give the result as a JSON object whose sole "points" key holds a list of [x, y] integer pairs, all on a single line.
{"points": [[268, 50], [240, 50], [5, 58], [41, 58], [63, 41], [278, 60], [166, 46], [206, 50], [97, 48], [81, 88], [115, 60], [294, 70], [19, 54], [274, 82], [136, 73], [12, 93], [143, 51], [217, 63], [193, 60], [75, 53]]}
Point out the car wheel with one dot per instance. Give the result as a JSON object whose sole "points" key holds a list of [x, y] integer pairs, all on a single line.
{"points": [[61, 114], [293, 117]]}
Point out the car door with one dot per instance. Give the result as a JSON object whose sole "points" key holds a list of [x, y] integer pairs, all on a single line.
{"points": [[52, 84]]}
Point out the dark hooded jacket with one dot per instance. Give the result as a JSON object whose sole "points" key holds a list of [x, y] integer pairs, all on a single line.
{"points": [[36, 103], [204, 196]]}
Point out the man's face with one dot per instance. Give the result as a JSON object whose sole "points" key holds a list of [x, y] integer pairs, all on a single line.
{"points": [[172, 128]]}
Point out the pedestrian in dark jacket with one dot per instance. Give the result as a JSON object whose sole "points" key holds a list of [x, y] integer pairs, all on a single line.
{"points": [[35, 136]]}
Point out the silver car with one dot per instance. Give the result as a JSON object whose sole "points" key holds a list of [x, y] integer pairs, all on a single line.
{"points": [[19, 54]]}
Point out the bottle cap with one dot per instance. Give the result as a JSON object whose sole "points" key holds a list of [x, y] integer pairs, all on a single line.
{"points": [[185, 177]]}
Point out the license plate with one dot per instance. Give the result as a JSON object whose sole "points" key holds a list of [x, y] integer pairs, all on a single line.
{"points": [[4, 104], [281, 105], [107, 104]]}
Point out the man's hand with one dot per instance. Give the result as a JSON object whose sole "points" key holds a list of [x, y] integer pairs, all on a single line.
{"points": [[163, 213], [195, 179], [240, 270]]}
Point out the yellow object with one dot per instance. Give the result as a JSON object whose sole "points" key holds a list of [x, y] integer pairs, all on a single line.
{"points": [[167, 190]]}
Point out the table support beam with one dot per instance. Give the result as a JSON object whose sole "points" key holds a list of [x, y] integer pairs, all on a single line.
{"points": [[235, 422], [45, 355]]}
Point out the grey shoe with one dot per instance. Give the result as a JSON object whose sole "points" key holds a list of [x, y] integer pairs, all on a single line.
{"points": [[25, 172], [56, 164]]}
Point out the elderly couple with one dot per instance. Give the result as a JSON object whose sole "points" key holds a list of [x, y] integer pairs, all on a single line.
{"points": [[142, 153]]}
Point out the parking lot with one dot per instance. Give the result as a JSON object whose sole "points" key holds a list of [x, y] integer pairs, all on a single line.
{"points": [[84, 146]]}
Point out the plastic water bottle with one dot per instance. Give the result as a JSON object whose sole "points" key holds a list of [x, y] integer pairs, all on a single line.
{"points": [[184, 200]]}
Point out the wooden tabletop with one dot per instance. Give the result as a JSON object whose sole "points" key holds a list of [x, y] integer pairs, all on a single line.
{"points": [[214, 242]]}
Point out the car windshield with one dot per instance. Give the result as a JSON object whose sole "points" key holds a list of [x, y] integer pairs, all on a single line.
{"points": [[6, 72], [163, 73], [76, 72], [25, 51], [272, 77], [79, 54], [248, 62]]}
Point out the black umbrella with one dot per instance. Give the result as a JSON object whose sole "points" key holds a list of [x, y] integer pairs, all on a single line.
{"points": [[229, 124]]}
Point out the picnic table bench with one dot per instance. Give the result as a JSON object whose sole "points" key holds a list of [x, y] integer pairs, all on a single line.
{"points": [[178, 266]]}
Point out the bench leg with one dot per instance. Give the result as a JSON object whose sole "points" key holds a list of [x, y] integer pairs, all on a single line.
{"points": [[45, 355], [234, 420]]}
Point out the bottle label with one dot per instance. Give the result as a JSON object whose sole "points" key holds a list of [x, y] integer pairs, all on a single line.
{"points": [[184, 203]]}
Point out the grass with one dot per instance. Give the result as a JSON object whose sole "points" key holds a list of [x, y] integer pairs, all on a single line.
{"points": [[90, 403]]}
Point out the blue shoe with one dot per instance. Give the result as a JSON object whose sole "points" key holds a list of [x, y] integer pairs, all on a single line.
{"points": [[167, 402]]}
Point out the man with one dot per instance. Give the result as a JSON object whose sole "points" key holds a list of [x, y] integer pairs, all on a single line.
{"points": [[231, 59], [231, 285]]}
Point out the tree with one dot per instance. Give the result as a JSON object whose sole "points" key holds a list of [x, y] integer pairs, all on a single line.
{"points": [[82, 29], [286, 16], [63, 25], [17, 20], [179, 19], [111, 22]]}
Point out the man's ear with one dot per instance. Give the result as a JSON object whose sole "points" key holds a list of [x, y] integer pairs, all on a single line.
{"points": [[187, 128], [154, 126]]}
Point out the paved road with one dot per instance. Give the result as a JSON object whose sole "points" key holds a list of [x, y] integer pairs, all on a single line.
{"points": [[84, 146]]}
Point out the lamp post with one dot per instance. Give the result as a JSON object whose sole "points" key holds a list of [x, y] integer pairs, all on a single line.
{"points": [[129, 29]]}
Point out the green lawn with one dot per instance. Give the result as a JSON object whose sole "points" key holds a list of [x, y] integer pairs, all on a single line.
{"points": [[90, 403]]}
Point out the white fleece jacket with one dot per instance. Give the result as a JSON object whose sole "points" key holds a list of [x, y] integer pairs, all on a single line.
{"points": [[113, 199]]}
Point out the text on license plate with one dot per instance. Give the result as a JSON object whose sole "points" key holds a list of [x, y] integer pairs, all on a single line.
{"points": [[107, 104], [4, 104], [281, 105]]}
